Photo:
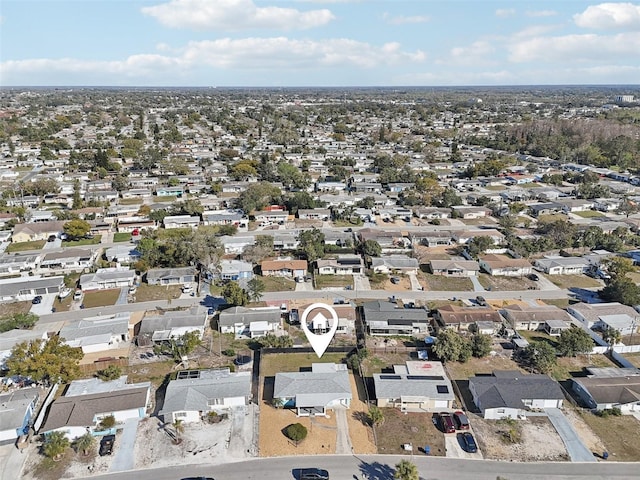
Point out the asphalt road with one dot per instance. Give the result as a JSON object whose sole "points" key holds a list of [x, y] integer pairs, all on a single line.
{"points": [[380, 467]]}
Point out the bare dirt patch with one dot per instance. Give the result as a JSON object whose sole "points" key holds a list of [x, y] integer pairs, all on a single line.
{"points": [[584, 431], [418, 429], [538, 440], [360, 432]]}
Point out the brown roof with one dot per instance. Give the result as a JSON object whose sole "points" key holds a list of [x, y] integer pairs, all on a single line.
{"points": [[519, 312], [270, 265], [39, 227], [80, 410], [452, 314], [498, 261]]}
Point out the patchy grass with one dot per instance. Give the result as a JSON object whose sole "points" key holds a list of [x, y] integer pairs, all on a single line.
{"points": [[377, 280], [63, 305], [631, 339], [83, 241], [538, 336], [618, 434], [479, 366], [326, 281], [499, 283], [443, 283], [154, 372], [560, 302], [569, 367], [377, 362], [417, 429], [633, 358], [121, 237], [552, 217], [24, 246], [48, 469], [278, 284], [15, 307], [130, 201], [589, 214], [293, 362], [101, 298], [150, 293], [165, 199], [573, 281]]}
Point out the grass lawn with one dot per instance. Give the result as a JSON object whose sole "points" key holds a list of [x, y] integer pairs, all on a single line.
{"points": [[633, 358], [278, 284], [149, 293], [376, 363], [15, 307], [167, 199], [417, 429], [22, 246], [573, 281], [504, 283], [538, 336], [589, 214], [495, 188], [324, 281], [121, 237], [130, 201], [443, 283], [154, 372], [552, 217], [101, 298], [560, 302], [619, 435], [82, 242], [63, 305], [473, 366], [569, 367], [292, 362]]}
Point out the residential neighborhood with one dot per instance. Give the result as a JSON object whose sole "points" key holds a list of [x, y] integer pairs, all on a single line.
{"points": [[167, 258]]}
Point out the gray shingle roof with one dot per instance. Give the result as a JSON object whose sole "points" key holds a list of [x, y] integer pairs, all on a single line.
{"points": [[313, 389], [509, 388]]}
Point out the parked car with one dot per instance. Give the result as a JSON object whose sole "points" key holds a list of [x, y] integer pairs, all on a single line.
{"points": [[481, 301], [469, 443], [37, 299], [461, 420], [395, 280], [52, 238], [77, 295], [187, 289], [106, 445], [534, 277], [446, 423], [313, 474]]}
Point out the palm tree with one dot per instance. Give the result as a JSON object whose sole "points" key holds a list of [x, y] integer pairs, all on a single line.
{"points": [[376, 417], [55, 445], [84, 443], [611, 336], [405, 470]]}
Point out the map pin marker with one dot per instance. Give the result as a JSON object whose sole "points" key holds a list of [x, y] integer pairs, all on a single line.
{"points": [[320, 342]]}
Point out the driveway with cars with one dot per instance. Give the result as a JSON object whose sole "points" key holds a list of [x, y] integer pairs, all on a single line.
{"points": [[45, 305]]}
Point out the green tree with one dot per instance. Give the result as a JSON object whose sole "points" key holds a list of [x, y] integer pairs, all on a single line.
{"points": [[574, 341], [112, 372], [611, 335], [45, 361], [480, 345], [18, 321], [76, 229], [539, 356], [84, 443], [255, 289], [77, 195], [234, 294], [257, 196], [55, 444], [450, 346], [478, 245], [371, 248], [311, 244], [296, 432], [375, 415], [274, 341], [623, 291], [618, 267], [406, 470]]}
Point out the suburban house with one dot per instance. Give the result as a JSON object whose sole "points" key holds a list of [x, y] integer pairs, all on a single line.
{"points": [[326, 386], [171, 325], [235, 270], [171, 276], [348, 264], [548, 208], [432, 213], [69, 260], [339, 239], [314, 214], [225, 217], [250, 322], [522, 316], [430, 238], [469, 213], [195, 393], [168, 191], [385, 318], [284, 268], [10, 339], [602, 315], [415, 386], [16, 410], [98, 334], [12, 264], [511, 393], [86, 402], [454, 268], [557, 265], [18, 290], [484, 319], [30, 232], [181, 221], [122, 254], [388, 240], [105, 278], [273, 216], [608, 388], [395, 264], [502, 265], [465, 236], [236, 245], [285, 240]]}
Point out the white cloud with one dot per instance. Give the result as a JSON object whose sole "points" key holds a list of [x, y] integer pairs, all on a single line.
{"points": [[577, 48], [505, 12], [403, 20], [474, 54], [534, 31], [610, 16], [541, 13], [234, 15]]}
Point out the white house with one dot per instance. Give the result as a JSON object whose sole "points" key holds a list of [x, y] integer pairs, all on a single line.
{"points": [[181, 221], [98, 334], [106, 278]]}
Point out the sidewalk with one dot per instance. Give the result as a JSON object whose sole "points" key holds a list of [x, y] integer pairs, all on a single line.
{"points": [[11, 461]]}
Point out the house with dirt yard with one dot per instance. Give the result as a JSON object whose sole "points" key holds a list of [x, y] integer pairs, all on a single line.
{"points": [[607, 388], [106, 278], [171, 276], [415, 386], [196, 393], [511, 394], [325, 387], [395, 264], [250, 322], [462, 319], [384, 318], [503, 265], [98, 334], [284, 268], [454, 268], [86, 403]]}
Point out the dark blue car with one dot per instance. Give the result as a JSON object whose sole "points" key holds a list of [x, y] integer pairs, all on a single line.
{"points": [[469, 443]]}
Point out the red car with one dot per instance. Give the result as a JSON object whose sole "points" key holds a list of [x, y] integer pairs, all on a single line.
{"points": [[446, 423], [461, 420]]}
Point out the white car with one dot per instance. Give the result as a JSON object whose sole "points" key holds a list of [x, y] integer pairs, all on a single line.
{"points": [[187, 289]]}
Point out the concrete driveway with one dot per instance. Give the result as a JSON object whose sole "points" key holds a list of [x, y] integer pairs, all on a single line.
{"points": [[57, 243], [577, 450], [45, 306], [453, 447], [124, 458]]}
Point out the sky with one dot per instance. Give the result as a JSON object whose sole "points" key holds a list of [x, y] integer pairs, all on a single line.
{"points": [[271, 43]]}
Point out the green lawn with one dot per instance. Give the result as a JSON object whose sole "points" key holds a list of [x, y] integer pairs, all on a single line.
{"points": [[278, 284], [325, 281], [589, 214], [101, 298], [121, 237], [569, 367], [293, 362], [23, 246], [83, 242]]}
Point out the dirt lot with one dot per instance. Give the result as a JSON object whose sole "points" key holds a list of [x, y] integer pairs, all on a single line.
{"points": [[443, 283], [15, 307], [149, 293], [539, 441], [417, 429], [505, 283]]}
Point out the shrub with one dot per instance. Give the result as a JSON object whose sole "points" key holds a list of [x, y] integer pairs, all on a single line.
{"points": [[108, 422], [112, 372], [229, 352], [55, 445], [296, 432]]}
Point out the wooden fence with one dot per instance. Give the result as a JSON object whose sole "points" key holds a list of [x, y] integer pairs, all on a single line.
{"points": [[102, 364]]}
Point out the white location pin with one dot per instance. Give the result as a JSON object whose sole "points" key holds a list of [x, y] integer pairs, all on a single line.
{"points": [[320, 341]]}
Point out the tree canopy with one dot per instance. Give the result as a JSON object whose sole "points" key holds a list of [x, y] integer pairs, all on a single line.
{"points": [[76, 229], [574, 341], [45, 361], [450, 346]]}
